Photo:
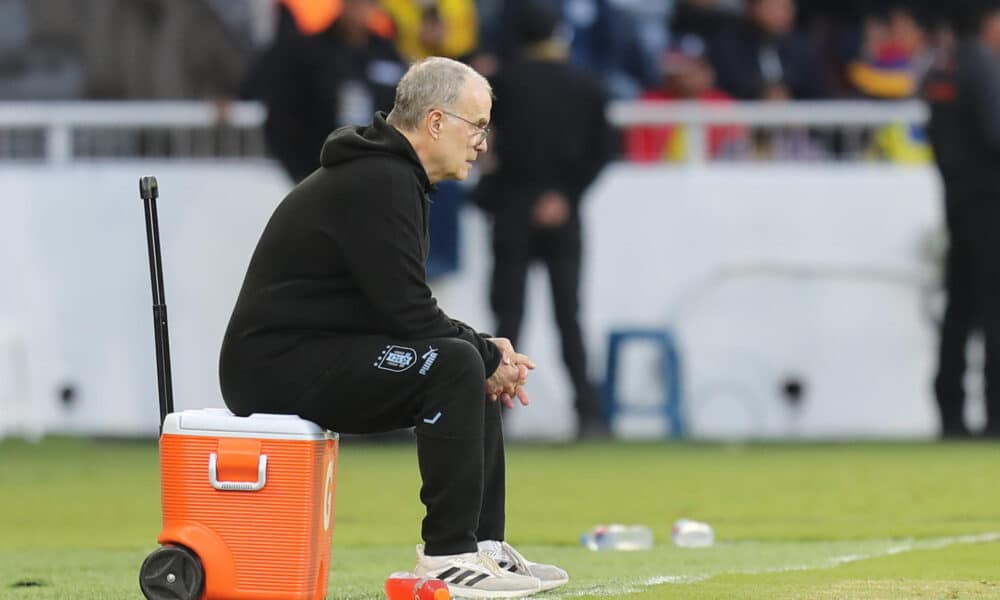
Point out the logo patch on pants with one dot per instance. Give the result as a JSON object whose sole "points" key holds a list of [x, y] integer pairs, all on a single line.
{"points": [[396, 359]]}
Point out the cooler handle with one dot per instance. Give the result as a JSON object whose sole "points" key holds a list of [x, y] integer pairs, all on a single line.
{"points": [[237, 486]]}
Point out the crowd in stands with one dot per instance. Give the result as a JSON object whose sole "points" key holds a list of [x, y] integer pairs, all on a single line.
{"points": [[756, 49], [704, 50], [650, 50]]}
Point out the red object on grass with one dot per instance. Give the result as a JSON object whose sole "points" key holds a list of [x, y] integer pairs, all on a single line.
{"points": [[406, 586]]}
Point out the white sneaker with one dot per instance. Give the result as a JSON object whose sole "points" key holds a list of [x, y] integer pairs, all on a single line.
{"points": [[511, 560], [475, 575]]}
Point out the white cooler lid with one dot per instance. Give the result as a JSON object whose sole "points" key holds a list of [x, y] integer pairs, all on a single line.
{"points": [[219, 422]]}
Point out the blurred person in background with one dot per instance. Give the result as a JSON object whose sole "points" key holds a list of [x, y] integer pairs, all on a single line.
{"points": [[704, 18], [893, 55], [687, 75], [434, 27], [605, 38], [608, 38], [939, 89], [325, 69], [643, 22], [967, 138], [762, 57], [892, 61], [552, 140]]}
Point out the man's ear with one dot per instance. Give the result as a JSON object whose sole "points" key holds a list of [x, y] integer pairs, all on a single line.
{"points": [[435, 121]]}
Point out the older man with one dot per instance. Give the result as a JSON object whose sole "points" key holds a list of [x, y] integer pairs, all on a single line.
{"points": [[336, 323]]}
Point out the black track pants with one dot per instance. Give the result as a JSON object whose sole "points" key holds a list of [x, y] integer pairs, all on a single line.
{"points": [[515, 249], [376, 383]]}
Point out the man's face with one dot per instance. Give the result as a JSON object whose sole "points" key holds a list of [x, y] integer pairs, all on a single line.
{"points": [[905, 30], [463, 135], [355, 13], [991, 30], [691, 77], [776, 17]]}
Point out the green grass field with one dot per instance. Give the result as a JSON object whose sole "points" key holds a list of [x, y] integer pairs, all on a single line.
{"points": [[892, 520]]}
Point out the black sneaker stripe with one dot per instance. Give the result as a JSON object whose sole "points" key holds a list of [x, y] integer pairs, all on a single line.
{"points": [[512, 568], [477, 579], [448, 573], [503, 564], [458, 578]]}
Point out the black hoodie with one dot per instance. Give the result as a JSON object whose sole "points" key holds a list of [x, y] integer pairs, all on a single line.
{"points": [[342, 255]]}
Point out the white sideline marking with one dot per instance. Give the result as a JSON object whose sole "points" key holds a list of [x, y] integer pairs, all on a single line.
{"points": [[908, 545], [674, 579], [904, 546]]}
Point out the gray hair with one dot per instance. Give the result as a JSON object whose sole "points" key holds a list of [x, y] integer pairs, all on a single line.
{"points": [[429, 83]]}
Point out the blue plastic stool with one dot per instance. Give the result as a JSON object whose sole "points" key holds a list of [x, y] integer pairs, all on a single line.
{"points": [[670, 368]]}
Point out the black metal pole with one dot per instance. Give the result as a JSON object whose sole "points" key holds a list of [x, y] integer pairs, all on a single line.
{"points": [[149, 191]]}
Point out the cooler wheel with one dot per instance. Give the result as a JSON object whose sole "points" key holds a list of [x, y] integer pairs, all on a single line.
{"points": [[171, 573]]}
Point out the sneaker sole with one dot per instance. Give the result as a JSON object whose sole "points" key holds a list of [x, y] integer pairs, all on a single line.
{"points": [[464, 592]]}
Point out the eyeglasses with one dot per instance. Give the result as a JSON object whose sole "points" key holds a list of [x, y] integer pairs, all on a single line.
{"points": [[484, 130]]}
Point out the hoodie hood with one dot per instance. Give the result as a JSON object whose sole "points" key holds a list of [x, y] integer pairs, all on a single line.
{"points": [[378, 139]]}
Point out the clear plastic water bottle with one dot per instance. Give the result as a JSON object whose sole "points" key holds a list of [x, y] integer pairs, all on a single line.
{"points": [[618, 537], [692, 534]]}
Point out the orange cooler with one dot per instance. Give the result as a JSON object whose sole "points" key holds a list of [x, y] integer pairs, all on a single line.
{"points": [[252, 498]]}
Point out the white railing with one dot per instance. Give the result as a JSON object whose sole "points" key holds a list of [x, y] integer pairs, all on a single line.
{"points": [[60, 121], [699, 116], [803, 113], [130, 114]]}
